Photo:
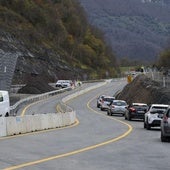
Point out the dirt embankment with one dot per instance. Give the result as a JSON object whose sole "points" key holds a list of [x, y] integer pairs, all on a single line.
{"points": [[35, 85], [143, 89]]}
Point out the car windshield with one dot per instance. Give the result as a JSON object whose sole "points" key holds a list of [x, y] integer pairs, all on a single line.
{"points": [[59, 81], [140, 105], [108, 99], [119, 103], [158, 109], [100, 97]]}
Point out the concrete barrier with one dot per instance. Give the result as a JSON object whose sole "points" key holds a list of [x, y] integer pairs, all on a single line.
{"points": [[30, 123], [2, 126]]}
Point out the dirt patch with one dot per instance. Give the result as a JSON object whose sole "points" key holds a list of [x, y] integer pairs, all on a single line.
{"points": [[36, 85], [143, 89]]}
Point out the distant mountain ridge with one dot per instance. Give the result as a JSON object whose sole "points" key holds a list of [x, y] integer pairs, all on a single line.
{"points": [[162, 2], [137, 29]]}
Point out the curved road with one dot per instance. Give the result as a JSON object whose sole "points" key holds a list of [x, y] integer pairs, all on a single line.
{"points": [[96, 142]]}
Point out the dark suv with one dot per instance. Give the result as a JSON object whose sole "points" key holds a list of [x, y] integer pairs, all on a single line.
{"points": [[136, 111]]}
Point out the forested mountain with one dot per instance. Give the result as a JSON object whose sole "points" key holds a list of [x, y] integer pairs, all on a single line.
{"points": [[52, 38], [137, 29]]}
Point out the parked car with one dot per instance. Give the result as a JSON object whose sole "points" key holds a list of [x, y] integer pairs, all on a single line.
{"points": [[154, 115], [117, 107], [59, 83], [105, 102], [67, 83], [136, 111], [99, 100], [165, 126], [64, 83]]}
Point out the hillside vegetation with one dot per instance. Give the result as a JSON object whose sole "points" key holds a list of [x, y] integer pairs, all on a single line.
{"points": [[54, 39], [137, 29]]}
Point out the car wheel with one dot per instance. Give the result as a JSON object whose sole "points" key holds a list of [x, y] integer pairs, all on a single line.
{"points": [[125, 117], [128, 117], [108, 113], [144, 125], [7, 114], [148, 126], [98, 105], [163, 138]]}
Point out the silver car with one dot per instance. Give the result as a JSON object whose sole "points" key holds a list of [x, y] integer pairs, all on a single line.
{"points": [[99, 100], [165, 126], [117, 107], [105, 102]]}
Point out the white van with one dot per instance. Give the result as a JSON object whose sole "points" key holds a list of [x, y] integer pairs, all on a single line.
{"points": [[4, 103]]}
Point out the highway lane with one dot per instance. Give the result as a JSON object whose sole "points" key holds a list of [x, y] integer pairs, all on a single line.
{"points": [[49, 105], [93, 144]]}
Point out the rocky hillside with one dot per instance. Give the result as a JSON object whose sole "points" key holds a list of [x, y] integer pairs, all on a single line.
{"points": [[54, 40], [143, 89], [137, 29]]}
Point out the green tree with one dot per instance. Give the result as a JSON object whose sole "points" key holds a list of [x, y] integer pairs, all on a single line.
{"points": [[164, 59]]}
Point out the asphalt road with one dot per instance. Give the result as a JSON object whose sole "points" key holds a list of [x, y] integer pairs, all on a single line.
{"points": [[96, 142]]}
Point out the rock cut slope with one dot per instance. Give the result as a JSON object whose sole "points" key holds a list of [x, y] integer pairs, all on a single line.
{"points": [[143, 89]]}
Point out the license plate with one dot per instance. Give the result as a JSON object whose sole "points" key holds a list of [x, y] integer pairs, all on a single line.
{"points": [[140, 111]]}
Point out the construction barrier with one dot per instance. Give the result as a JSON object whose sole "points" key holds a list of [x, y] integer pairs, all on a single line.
{"points": [[31, 123], [2, 126], [129, 78]]}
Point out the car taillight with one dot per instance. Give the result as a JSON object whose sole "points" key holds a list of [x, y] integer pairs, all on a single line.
{"points": [[113, 106], [132, 109], [165, 119]]}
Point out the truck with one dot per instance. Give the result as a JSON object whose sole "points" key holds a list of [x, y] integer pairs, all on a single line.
{"points": [[4, 104]]}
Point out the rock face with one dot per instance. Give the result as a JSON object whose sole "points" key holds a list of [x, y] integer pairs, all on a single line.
{"points": [[18, 63], [9, 54], [143, 89]]}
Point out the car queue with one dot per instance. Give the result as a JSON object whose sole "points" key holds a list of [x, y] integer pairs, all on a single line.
{"points": [[153, 115]]}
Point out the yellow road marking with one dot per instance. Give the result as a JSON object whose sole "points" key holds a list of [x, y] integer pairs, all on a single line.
{"points": [[110, 117], [70, 153], [130, 128], [42, 131]]}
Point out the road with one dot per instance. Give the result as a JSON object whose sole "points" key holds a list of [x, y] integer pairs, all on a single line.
{"points": [[96, 142]]}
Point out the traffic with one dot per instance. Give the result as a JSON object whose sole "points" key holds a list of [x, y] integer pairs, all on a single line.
{"points": [[153, 115], [97, 141]]}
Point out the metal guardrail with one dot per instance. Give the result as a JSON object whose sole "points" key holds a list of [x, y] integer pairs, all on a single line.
{"points": [[62, 107], [159, 77], [28, 100]]}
